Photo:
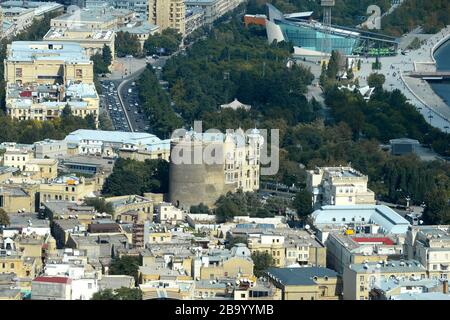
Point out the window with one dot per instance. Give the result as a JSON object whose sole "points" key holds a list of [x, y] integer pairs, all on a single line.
{"points": [[89, 285], [79, 73], [361, 278], [18, 72], [242, 295], [361, 288], [12, 265]]}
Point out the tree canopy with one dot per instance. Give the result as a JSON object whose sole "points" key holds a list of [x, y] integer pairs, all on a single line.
{"points": [[99, 204], [262, 261], [137, 177], [122, 293], [4, 218], [127, 44], [126, 265], [165, 43]]}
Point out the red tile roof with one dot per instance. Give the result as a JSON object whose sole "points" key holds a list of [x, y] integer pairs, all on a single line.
{"points": [[53, 279], [383, 240], [25, 94]]}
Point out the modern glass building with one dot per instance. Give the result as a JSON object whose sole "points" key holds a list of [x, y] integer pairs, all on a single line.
{"points": [[305, 33], [312, 37]]}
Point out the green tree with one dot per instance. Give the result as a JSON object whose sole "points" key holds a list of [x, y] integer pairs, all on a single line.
{"points": [[99, 64], [126, 265], [168, 41], [4, 218], [236, 240], [303, 204], [437, 210], [127, 44], [67, 111], [226, 210], [106, 55], [376, 80], [122, 293], [200, 208], [100, 205], [136, 177], [105, 122], [262, 261], [333, 64]]}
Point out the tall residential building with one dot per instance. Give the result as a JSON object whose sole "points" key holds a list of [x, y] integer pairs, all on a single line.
{"points": [[167, 14], [338, 186]]}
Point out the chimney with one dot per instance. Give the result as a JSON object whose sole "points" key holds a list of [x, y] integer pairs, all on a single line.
{"points": [[445, 287]]}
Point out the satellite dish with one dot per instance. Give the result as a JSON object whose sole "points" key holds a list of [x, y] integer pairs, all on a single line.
{"points": [[307, 227]]}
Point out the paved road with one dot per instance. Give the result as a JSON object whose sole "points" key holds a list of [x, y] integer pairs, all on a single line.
{"points": [[111, 103], [418, 92]]}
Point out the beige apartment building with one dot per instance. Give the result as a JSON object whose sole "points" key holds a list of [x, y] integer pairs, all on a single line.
{"points": [[17, 157], [167, 14], [308, 283], [269, 243], [44, 77], [14, 199], [46, 62], [338, 186], [67, 188], [92, 41], [430, 245], [42, 168], [359, 279]]}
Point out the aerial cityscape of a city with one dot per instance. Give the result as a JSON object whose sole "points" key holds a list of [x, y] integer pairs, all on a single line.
{"points": [[225, 150]]}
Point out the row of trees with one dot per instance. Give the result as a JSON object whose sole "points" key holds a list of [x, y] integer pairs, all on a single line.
{"points": [[156, 104], [29, 131], [165, 43], [431, 15]]}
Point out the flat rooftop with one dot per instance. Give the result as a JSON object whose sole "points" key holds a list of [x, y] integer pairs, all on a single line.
{"points": [[68, 52], [389, 266], [134, 138], [81, 33]]}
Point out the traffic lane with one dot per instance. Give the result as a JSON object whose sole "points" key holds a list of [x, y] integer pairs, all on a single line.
{"points": [[133, 107], [112, 105]]}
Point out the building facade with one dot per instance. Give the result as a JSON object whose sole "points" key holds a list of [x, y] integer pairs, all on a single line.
{"points": [[167, 14], [213, 164], [44, 77], [338, 186]]}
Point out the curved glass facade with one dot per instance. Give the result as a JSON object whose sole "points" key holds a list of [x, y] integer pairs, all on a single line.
{"points": [[311, 38]]}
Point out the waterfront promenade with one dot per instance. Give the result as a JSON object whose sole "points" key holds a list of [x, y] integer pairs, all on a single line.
{"points": [[417, 91]]}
